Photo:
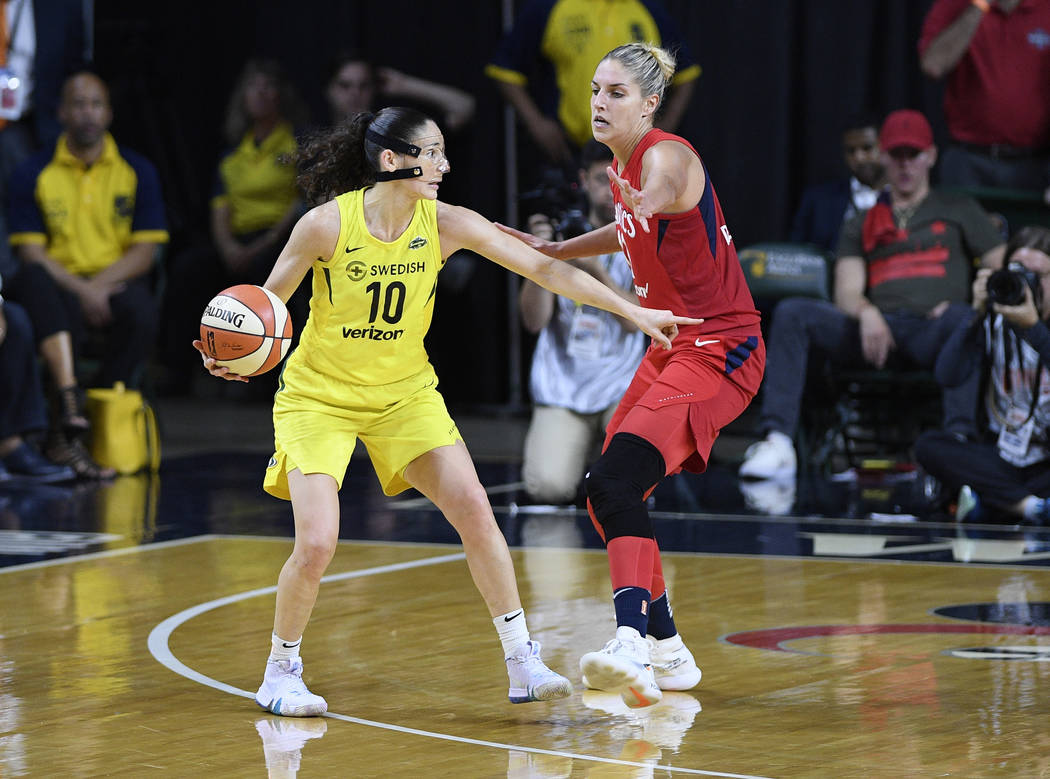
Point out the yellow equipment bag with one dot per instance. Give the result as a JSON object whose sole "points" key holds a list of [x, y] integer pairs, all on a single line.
{"points": [[123, 429]]}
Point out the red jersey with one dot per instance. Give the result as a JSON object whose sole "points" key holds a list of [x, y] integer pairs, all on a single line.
{"points": [[686, 262], [997, 93]]}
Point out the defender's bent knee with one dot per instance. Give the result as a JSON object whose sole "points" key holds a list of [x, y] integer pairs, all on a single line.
{"points": [[617, 483]]}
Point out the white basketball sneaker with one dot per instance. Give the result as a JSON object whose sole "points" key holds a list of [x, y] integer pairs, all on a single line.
{"points": [[531, 680], [283, 691], [673, 664], [623, 666], [771, 458]]}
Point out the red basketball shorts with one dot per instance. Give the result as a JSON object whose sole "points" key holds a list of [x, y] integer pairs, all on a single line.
{"points": [[680, 399]]}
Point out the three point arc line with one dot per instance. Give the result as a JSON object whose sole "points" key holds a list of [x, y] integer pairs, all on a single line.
{"points": [[160, 635]]}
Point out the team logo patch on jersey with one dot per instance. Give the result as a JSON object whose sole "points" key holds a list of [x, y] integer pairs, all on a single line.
{"points": [[356, 270], [418, 242], [124, 206]]}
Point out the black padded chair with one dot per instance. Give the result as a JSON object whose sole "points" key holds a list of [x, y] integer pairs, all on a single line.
{"points": [[867, 418]]}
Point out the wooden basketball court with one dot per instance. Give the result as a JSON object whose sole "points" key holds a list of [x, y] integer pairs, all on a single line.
{"points": [[142, 660]]}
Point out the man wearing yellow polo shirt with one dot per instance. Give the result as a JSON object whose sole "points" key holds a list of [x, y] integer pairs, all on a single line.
{"points": [[545, 63], [91, 213]]}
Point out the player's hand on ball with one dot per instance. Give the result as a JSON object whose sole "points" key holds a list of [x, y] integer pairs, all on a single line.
{"points": [[213, 368], [246, 328]]}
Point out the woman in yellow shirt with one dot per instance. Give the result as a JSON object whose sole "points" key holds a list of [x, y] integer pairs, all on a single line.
{"points": [[361, 372], [254, 204]]}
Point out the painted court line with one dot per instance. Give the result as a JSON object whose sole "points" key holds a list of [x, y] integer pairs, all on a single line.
{"points": [[105, 553], [158, 637], [158, 647]]}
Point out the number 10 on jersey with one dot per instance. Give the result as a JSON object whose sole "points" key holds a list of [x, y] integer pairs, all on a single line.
{"points": [[393, 301]]}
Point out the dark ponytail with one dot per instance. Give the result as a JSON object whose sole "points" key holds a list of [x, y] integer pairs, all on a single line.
{"points": [[341, 159]]}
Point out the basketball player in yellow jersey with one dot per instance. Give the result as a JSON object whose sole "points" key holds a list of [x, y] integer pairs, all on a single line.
{"points": [[360, 371], [373, 299]]}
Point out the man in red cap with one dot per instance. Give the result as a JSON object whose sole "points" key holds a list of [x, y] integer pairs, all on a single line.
{"points": [[902, 280], [995, 55]]}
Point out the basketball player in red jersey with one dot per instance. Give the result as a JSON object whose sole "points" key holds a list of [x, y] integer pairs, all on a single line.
{"points": [[670, 226]]}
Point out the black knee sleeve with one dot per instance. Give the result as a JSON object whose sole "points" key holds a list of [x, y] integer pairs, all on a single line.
{"points": [[617, 482]]}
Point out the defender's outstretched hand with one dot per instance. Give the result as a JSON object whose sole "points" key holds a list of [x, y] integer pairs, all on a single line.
{"points": [[539, 244], [634, 199], [216, 370], [661, 326]]}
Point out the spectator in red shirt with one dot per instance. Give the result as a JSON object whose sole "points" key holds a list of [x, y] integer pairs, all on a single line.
{"points": [[996, 57], [902, 277]]}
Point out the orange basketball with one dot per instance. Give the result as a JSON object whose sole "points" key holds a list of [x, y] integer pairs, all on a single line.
{"points": [[247, 329]]}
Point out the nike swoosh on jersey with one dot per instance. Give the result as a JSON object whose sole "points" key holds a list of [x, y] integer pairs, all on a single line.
{"points": [[348, 249], [698, 342]]}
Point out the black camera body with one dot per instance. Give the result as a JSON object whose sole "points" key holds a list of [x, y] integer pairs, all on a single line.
{"points": [[1006, 285], [561, 201], [572, 223]]}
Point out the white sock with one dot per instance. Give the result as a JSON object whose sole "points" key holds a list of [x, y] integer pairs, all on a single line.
{"points": [[282, 649], [513, 632]]}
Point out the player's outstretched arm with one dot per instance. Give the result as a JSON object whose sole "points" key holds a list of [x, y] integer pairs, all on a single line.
{"points": [[463, 228], [589, 244]]}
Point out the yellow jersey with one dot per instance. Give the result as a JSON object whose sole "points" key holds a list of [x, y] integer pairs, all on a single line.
{"points": [[559, 43], [373, 301], [85, 215], [257, 181]]}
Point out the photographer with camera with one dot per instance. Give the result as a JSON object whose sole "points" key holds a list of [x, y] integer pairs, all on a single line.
{"points": [[584, 357], [1006, 342]]}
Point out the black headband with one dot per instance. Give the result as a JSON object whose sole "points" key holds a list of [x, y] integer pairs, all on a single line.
{"points": [[401, 147], [392, 143]]}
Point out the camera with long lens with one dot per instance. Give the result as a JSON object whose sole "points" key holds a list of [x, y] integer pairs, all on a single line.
{"points": [[1006, 285], [560, 200]]}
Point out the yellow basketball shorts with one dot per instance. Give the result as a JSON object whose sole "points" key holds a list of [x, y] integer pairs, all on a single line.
{"points": [[317, 421]]}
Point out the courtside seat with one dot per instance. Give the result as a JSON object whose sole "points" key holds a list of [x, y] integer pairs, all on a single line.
{"points": [[777, 270], [853, 417]]}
